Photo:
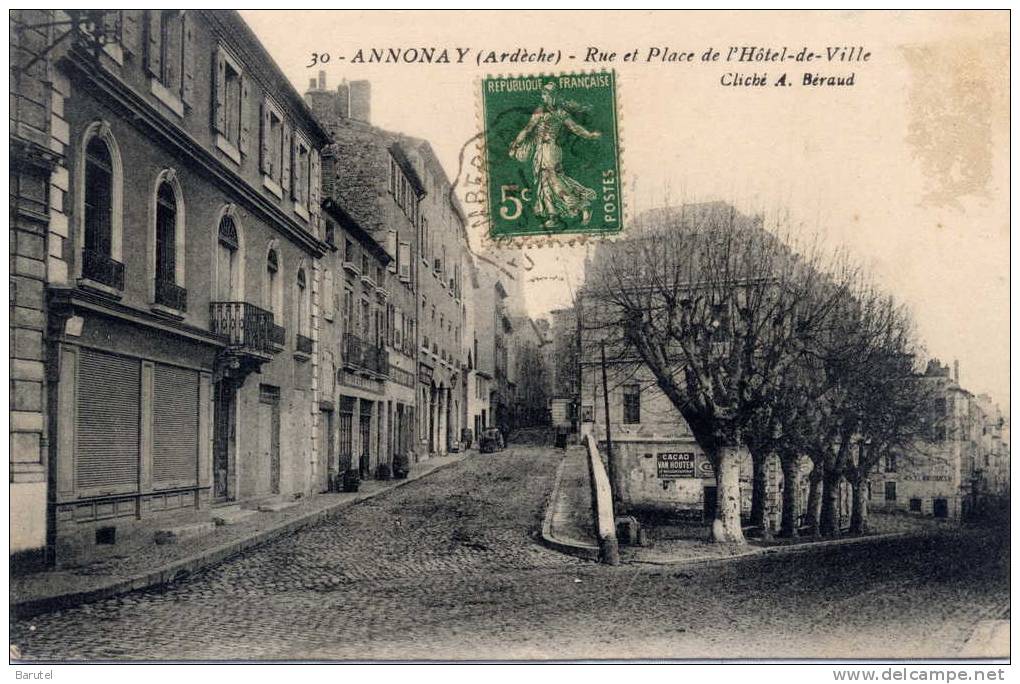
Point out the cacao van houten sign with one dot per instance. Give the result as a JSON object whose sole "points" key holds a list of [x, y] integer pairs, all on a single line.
{"points": [[673, 465]]}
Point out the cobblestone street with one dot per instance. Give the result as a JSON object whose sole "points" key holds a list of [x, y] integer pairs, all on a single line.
{"points": [[449, 567]]}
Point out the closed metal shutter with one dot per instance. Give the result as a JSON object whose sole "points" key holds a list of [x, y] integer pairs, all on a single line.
{"points": [[109, 392], [175, 426]]}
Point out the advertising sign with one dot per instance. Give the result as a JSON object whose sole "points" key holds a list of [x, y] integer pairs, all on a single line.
{"points": [[674, 465]]}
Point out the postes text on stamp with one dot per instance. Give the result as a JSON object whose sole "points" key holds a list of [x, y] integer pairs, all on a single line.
{"points": [[552, 155]]}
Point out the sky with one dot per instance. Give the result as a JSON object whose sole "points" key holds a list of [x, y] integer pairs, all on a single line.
{"points": [[907, 170]]}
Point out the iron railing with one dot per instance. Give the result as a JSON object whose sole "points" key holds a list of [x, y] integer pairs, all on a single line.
{"points": [[171, 294], [352, 351], [101, 268], [358, 354], [246, 326], [303, 344]]}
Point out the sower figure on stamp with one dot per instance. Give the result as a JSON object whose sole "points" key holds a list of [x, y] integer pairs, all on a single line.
{"points": [[557, 195]]}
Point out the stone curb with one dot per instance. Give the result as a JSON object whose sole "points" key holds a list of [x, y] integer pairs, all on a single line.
{"points": [[591, 551], [573, 548], [181, 569], [778, 550]]}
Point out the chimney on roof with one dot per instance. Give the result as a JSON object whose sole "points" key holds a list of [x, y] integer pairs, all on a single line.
{"points": [[361, 98], [322, 80], [343, 100], [956, 371], [311, 84]]}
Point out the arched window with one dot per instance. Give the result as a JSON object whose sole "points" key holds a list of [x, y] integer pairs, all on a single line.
{"points": [[166, 224], [227, 261], [166, 258], [272, 282], [302, 303], [98, 197]]}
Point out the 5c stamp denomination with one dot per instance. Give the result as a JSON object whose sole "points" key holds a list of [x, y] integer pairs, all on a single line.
{"points": [[552, 158]]}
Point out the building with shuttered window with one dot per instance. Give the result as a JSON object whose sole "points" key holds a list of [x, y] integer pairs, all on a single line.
{"points": [[367, 176], [360, 424], [443, 244], [182, 276]]}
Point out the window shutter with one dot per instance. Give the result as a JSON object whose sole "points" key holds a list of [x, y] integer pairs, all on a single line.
{"points": [[404, 261], [264, 136], [244, 137], [112, 23], [188, 43], [129, 31], [285, 158], [107, 423], [152, 62], [295, 169], [327, 296], [313, 182], [175, 427], [220, 87]]}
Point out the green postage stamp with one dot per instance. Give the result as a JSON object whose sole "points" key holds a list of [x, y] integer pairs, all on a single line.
{"points": [[552, 155]]}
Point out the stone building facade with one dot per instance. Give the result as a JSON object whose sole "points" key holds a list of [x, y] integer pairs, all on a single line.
{"points": [[960, 468], [358, 425], [38, 144], [181, 260], [443, 242], [367, 174]]}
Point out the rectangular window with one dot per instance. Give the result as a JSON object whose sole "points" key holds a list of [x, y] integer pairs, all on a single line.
{"points": [[915, 505], [631, 404], [890, 491], [391, 249], [348, 251], [890, 463], [404, 261], [348, 311]]}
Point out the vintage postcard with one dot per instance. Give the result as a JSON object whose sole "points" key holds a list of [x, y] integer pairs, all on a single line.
{"points": [[510, 336]]}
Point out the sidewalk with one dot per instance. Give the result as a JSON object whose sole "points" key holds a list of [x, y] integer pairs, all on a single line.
{"points": [[569, 528], [569, 525], [152, 565]]}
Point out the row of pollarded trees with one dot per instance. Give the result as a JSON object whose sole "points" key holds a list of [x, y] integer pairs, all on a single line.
{"points": [[766, 348]]}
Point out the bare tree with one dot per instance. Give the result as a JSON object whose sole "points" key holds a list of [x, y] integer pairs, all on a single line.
{"points": [[717, 308], [896, 404]]}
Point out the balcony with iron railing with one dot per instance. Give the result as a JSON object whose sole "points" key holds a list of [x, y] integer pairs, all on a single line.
{"points": [[99, 267], [303, 345], [360, 355], [246, 327], [172, 295]]}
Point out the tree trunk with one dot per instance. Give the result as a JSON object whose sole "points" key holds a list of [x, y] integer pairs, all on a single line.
{"points": [[814, 502], [726, 526], [828, 523], [859, 509], [759, 489], [791, 488]]}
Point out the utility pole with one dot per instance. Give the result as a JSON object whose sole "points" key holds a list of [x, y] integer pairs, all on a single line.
{"points": [[609, 432]]}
